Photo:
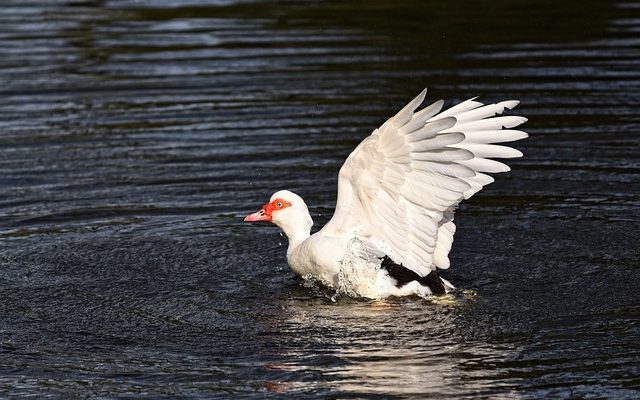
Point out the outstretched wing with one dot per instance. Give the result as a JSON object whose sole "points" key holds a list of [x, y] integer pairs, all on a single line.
{"points": [[398, 189]]}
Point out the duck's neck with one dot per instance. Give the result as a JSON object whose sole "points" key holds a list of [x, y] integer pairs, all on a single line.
{"points": [[297, 231]]}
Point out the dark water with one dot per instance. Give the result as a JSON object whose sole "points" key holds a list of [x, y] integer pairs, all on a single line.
{"points": [[135, 135]]}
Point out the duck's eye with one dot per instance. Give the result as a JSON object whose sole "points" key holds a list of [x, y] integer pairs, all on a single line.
{"points": [[279, 204]]}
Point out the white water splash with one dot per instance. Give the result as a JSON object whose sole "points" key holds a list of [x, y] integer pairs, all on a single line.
{"points": [[360, 274]]}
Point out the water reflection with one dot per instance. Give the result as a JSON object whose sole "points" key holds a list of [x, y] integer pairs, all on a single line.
{"points": [[385, 349]]}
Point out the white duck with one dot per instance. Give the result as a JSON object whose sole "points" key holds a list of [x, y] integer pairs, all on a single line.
{"points": [[397, 192]]}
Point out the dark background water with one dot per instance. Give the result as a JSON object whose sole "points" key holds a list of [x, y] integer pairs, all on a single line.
{"points": [[135, 135]]}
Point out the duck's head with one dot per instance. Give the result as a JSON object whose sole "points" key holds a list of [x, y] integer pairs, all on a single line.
{"points": [[288, 211]]}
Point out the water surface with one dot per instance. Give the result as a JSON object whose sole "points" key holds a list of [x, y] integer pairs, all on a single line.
{"points": [[134, 136]]}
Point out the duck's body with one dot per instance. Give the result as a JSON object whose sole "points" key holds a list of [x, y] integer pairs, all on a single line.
{"points": [[393, 224], [352, 266]]}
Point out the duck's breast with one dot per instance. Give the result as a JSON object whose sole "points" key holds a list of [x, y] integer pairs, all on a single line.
{"points": [[319, 256]]}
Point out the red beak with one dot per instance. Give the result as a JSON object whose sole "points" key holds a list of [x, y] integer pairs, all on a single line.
{"points": [[258, 216]]}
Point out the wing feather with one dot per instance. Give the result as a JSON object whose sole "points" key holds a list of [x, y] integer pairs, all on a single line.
{"points": [[446, 155], [489, 150], [510, 121], [437, 142], [460, 108], [480, 164], [399, 188], [446, 168], [430, 129], [494, 136], [420, 118]]}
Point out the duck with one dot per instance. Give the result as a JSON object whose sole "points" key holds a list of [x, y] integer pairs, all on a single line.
{"points": [[393, 224]]}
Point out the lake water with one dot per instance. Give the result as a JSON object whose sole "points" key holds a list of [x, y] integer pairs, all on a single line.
{"points": [[134, 136]]}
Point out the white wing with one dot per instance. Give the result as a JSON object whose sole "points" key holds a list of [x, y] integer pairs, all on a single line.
{"points": [[398, 189]]}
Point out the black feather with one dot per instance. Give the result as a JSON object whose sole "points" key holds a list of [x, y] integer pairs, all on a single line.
{"points": [[404, 275]]}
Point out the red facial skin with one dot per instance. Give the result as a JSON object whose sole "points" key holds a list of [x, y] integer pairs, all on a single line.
{"points": [[266, 213]]}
